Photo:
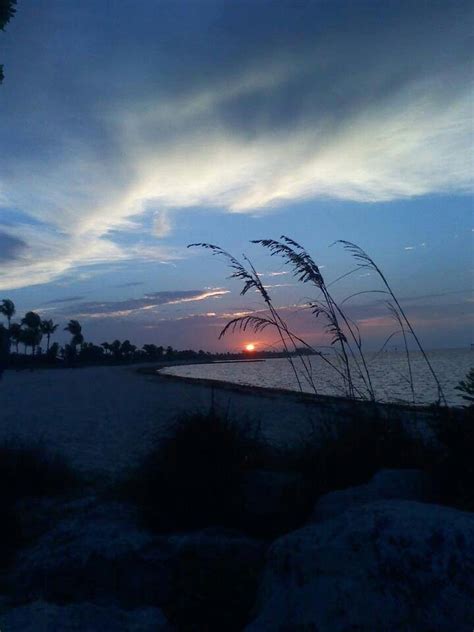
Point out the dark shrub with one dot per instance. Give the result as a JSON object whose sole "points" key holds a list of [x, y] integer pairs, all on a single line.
{"points": [[30, 471], [193, 479], [356, 449], [27, 472], [454, 469], [466, 387]]}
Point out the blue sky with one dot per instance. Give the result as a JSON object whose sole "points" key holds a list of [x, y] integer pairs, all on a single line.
{"points": [[131, 129]]}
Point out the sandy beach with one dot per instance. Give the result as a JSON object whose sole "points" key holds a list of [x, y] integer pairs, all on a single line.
{"points": [[106, 418]]}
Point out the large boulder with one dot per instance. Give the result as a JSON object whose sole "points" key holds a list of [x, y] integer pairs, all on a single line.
{"points": [[409, 484], [96, 553], [41, 616], [390, 565]]}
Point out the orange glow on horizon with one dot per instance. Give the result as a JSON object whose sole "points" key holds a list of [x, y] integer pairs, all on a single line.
{"points": [[250, 347]]}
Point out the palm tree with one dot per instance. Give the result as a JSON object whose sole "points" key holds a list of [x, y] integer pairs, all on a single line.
{"points": [[75, 329], [48, 328], [31, 320], [4, 348], [127, 348], [32, 331], [15, 334], [7, 308], [116, 348], [106, 347], [150, 350], [31, 338]]}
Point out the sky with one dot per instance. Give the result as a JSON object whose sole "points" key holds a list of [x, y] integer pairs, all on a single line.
{"points": [[132, 128]]}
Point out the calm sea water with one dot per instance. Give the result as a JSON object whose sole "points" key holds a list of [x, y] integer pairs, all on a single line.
{"points": [[388, 371]]}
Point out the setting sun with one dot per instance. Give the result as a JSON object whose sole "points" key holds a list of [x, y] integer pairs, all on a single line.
{"points": [[250, 347]]}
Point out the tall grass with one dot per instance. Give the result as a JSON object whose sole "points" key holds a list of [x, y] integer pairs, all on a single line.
{"points": [[348, 362], [192, 479]]}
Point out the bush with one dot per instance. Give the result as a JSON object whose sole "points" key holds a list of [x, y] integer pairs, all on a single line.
{"points": [[30, 471], [354, 450], [193, 479], [467, 388], [454, 470], [27, 472]]}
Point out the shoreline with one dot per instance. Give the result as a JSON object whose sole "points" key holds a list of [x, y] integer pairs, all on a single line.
{"points": [[107, 418], [305, 397]]}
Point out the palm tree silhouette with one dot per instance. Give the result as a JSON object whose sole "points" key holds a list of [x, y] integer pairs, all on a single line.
{"points": [[32, 333], [31, 338], [4, 348], [75, 329], [48, 328], [7, 308], [127, 349], [15, 334], [116, 349], [31, 320]]}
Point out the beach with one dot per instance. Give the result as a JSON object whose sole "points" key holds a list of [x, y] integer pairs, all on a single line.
{"points": [[106, 418]]}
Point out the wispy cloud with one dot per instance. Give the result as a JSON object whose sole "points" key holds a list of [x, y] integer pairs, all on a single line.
{"points": [[327, 109], [149, 302], [129, 284], [11, 247], [59, 301]]}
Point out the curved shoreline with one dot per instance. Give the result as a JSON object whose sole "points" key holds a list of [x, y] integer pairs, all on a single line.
{"points": [[305, 398]]}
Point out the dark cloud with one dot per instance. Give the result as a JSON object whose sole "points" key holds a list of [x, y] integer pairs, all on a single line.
{"points": [[10, 247], [149, 301], [69, 299]]}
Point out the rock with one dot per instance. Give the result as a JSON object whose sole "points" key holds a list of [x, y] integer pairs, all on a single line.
{"points": [[384, 566], [409, 484], [273, 502], [37, 515], [385, 485], [98, 554], [41, 616]]}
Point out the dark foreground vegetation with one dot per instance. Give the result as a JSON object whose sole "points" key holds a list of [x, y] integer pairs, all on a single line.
{"points": [[28, 473], [197, 477], [215, 473], [214, 497]]}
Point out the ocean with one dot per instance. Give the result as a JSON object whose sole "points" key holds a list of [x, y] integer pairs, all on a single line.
{"points": [[388, 370]]}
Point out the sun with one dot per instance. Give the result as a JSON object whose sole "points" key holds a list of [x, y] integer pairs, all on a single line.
{"points": [[250, 347]]}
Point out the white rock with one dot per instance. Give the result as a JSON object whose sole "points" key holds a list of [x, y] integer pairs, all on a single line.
{"points": [[385, 566]]}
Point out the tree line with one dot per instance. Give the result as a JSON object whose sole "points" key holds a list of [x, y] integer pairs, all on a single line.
{"points": [[29, 341], [25, 337]]}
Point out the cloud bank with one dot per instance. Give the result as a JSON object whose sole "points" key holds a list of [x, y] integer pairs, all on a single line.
{"points": [[237, 106], [137, 306]]}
